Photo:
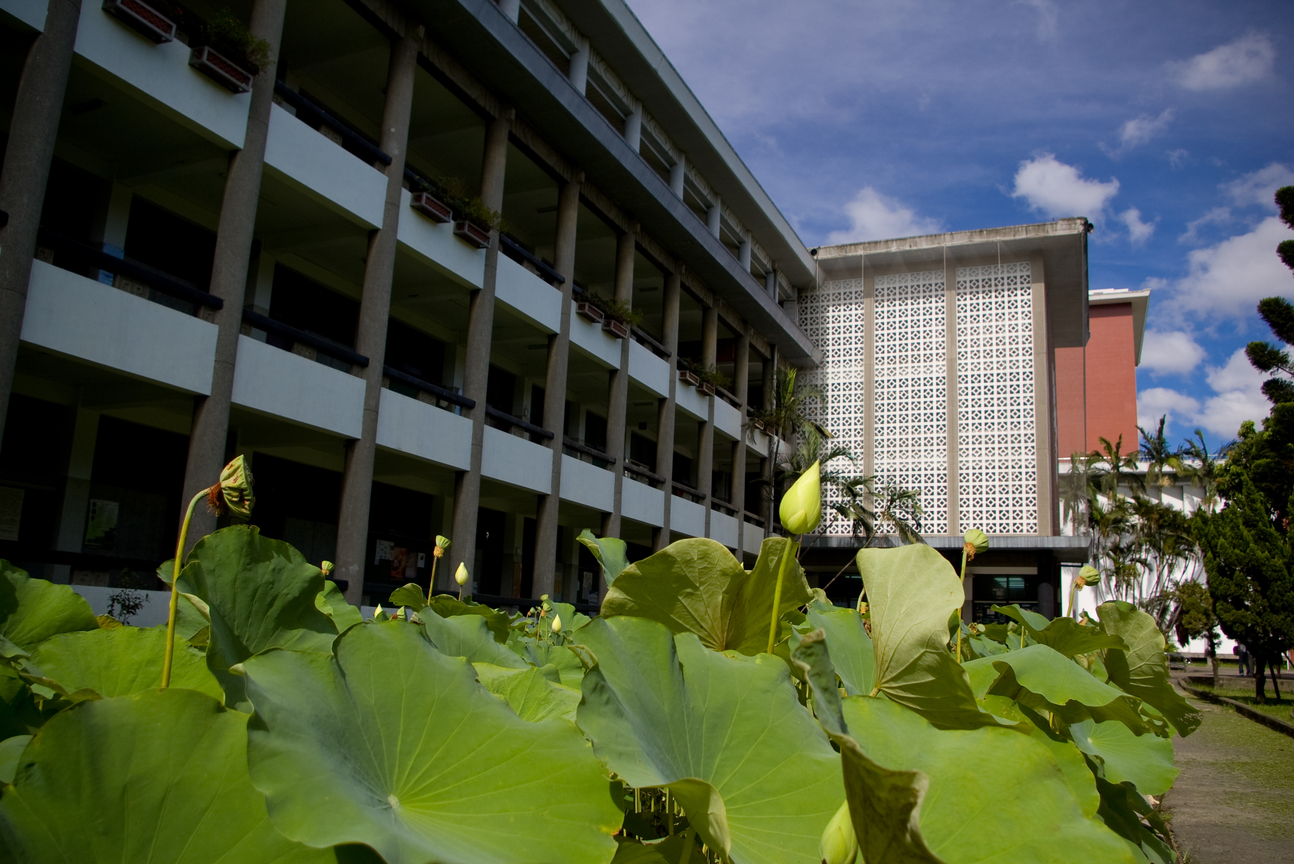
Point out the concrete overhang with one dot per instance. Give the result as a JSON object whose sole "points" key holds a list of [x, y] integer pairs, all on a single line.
{"points": [[1062, 244], [507, 62], [1140, 301], [1070, 550]]}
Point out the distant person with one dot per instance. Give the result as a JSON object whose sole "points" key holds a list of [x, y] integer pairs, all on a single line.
{"points": [[1242, 658]]}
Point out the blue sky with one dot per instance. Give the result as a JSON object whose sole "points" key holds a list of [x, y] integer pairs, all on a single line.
{"points": [[1169, 125]]}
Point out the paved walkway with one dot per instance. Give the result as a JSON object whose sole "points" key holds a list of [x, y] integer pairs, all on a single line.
{"points": [[1234, 799]]}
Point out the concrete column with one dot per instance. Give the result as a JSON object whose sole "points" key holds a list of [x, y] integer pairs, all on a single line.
{"points": [[741, 389], [374, 313], [770, 283], [634, 128], [476, 362], [33, 128], [705, 438], [712, 217], [512, 10], [76, 491], [559, 348], [618, 401], [665, 432], [577, 70], [743, 255], [677, 173], [229, 276]]}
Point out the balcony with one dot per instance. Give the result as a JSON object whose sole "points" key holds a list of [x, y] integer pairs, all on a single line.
{"points": [[436, 244], [723, 528], [424, 431], [594, 340], [324, 170], [648, 370], [517, 461], [529, 296], [686, 517], [587, 484], [284, 384], [642, 503]]}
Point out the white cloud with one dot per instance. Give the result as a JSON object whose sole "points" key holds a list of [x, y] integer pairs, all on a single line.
{"points": [[1139, 232], [1156, 402], [873, 216], [1248, 58], [1177, 158], [1216, 216], [1229, 278], [1172, 352], [1047, 15], [1058, 190], [1139, 130], [1258, 187], [1237, 375]]}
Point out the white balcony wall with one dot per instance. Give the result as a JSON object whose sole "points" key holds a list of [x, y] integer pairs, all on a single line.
{"points": [[435, 243], [587, 484], [162, 74], [287, 385], [648, 370], [727, 419], [516, 461], [424, 431], [29, 12], [690, 400], [723, 528], [642, 503], [686, 517], [528, 295], [752, 539], [323, 170], [594, 340], [83, 318]]}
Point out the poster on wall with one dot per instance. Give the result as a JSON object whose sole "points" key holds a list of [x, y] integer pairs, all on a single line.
{"points": [[101, 527], [10, 512]]}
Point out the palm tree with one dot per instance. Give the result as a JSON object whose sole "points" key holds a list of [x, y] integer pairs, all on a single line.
{"points": [[1159, 455], [1202, 468], [787, 416], [1113, 468]]}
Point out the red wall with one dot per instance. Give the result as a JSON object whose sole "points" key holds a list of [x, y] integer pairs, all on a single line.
{"points": [[1096, 386]]}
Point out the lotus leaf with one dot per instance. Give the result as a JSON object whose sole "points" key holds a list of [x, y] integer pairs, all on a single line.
{"points": [[911, 591], [850, 646], [332, 603], [611, 553], [10, 751], [1035, 817], [467, 636], [448, 606], [1064, 634], [724, 732], [560, 656], [159, 776], [393, 744], [532, 692], [409, 595], [1145, 761], [696, 586], [260, 594], [669, 851], [1142, 669], [121, 661], [1122, 810], [1046, 680], [32, 610]]}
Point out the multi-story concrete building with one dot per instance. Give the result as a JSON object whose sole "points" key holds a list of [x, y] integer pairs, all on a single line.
{"points": [[202, 258]]}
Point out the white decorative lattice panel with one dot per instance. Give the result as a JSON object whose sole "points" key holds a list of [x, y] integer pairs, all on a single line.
{"points": [[997, 468], [910, 400], [833, 318]]}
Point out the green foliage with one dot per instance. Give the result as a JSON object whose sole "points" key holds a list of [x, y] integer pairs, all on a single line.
{"points": [[120, 662], [1142, 668], [226, 32], [32, 610], [610, 553]]}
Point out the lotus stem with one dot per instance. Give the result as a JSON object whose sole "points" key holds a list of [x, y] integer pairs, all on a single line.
{"points": [[431, 582], [787, 555], [175, 590], [963, 584], [688, 843]]}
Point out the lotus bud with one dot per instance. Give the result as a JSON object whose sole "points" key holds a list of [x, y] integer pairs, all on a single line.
{"points": [[801, 508], [378, 610], [442, 543], [234, 491], [326, 567], [460, 575], [839, 844], [557, 623], [975, 542], [1088, 575]]}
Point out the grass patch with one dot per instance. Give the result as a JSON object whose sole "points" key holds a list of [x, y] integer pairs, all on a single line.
{"points": [[1242, 691]]}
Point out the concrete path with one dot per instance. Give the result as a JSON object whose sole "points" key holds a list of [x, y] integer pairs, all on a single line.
{"points": [[1234, 799]]}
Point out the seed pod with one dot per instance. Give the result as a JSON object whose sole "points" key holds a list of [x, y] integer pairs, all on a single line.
{"points": [[442, 543], [460, 575], [235, 488], [975, 542], [326, 567], [839, 844], [801, 508], [1088, 575]]}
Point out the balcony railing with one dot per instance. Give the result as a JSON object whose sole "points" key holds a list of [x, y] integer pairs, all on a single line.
{"points": [[691, 493], [640, 472], [723, 507], [352, 140], [649, 342], [511, 247], [442, 394], [321, 344], [511, 422], [594, 454]]}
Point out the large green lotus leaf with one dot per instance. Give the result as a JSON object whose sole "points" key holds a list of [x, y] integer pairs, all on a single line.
{"points": [[332, 603], [467, 636], [559, 656], [696, 586], [395, 745], [724, 732], [912, 591], [32, 610], [611, 552], [10, 751], [160, 776], [1142, 670], [1145, 761], [530, 691], [1030, 816], [1063, 634], [122, 661], [850, 646], [668, 851], [884, 805], [1122, 809], [1046, 680], [260, 594], [449, 606], [409, 595]]}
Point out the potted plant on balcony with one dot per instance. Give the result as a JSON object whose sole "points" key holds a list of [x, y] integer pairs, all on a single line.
{"points": [[619, 318], [687, 371], [155, 21], [587, 307], [475, 221], [429, 204], [226, 52], [711, 378]]}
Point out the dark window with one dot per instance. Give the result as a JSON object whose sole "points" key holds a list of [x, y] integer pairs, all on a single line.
{"points": [[537, 405], [415, 353], [682, 469], [595, 430], [642, 450], [501, 389], [305, 304], [170, 243], [1002, 591]]}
